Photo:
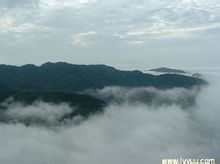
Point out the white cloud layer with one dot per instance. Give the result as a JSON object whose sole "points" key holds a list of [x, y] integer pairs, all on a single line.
{"points": [[123, 134], [39, 113]]}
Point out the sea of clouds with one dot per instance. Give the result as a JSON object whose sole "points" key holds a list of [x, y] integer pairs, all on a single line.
{"points": [[134, 128]]}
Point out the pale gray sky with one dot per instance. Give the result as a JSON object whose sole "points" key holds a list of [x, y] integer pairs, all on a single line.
{"points": [[151, 32]]}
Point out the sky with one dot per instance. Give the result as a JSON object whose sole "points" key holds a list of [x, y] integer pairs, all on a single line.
{"points": [[180, 33]]}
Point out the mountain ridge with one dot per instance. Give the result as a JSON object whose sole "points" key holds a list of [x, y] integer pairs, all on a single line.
{"points": [[63, 76]]}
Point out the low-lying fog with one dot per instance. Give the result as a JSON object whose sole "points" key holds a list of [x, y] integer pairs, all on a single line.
{"points": [[135, 128]]}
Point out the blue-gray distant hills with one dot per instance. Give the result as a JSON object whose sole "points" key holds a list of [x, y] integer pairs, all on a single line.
{"points": [[66, 83], [168, 70]]}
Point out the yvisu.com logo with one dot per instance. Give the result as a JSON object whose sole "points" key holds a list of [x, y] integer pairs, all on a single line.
{"points": [[188, 161]]}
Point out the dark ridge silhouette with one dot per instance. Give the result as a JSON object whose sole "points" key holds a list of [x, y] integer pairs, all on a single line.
{"points": [[77, 78]]}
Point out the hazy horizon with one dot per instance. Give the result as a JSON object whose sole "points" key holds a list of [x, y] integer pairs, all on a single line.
{"points": [[135, 66]]}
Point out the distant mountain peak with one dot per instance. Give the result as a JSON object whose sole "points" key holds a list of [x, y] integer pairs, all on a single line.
{"points": [[167, 70], [47, 64]]}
